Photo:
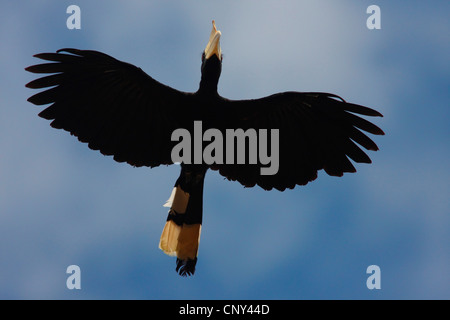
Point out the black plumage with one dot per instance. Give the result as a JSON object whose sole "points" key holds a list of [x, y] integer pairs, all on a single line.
{"points": [[121, 111]]}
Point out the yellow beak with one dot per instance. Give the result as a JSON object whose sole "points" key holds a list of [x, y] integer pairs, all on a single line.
{"points": [[213, 46]]}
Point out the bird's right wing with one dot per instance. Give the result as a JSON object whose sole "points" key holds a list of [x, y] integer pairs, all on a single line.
{"points": [[316, 131], [113, 106]]}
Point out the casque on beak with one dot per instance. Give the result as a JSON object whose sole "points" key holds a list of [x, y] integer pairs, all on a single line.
{"points": [[213, 46]]}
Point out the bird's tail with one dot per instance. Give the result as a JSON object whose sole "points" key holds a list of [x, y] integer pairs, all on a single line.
{"points": [[181, 233]]}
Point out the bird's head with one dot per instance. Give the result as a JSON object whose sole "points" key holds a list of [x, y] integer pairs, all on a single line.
{"points": [[211, 61]]}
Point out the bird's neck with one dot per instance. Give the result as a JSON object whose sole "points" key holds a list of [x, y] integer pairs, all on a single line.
{"points": [[208, 87]]}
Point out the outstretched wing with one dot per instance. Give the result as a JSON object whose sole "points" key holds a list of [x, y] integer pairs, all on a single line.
{"points": [[316, 131], [113, 106]]}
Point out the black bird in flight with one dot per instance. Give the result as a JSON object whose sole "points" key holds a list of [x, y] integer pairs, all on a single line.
{"points": [[121, 111]]}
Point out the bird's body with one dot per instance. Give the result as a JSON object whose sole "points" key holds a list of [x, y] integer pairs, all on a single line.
{"points": [[118, 109]]}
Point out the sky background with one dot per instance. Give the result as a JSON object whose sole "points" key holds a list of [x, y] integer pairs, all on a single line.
{"points": [[63, 204]]}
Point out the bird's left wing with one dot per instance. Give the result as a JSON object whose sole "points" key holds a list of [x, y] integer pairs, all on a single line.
{"points": [[316, 131], [113, 106]]}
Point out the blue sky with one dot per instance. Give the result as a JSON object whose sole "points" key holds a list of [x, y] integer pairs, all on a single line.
{"points": [[63, 204]]}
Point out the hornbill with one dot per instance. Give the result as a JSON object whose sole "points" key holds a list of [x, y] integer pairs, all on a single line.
{"points": [[121, 111]]}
